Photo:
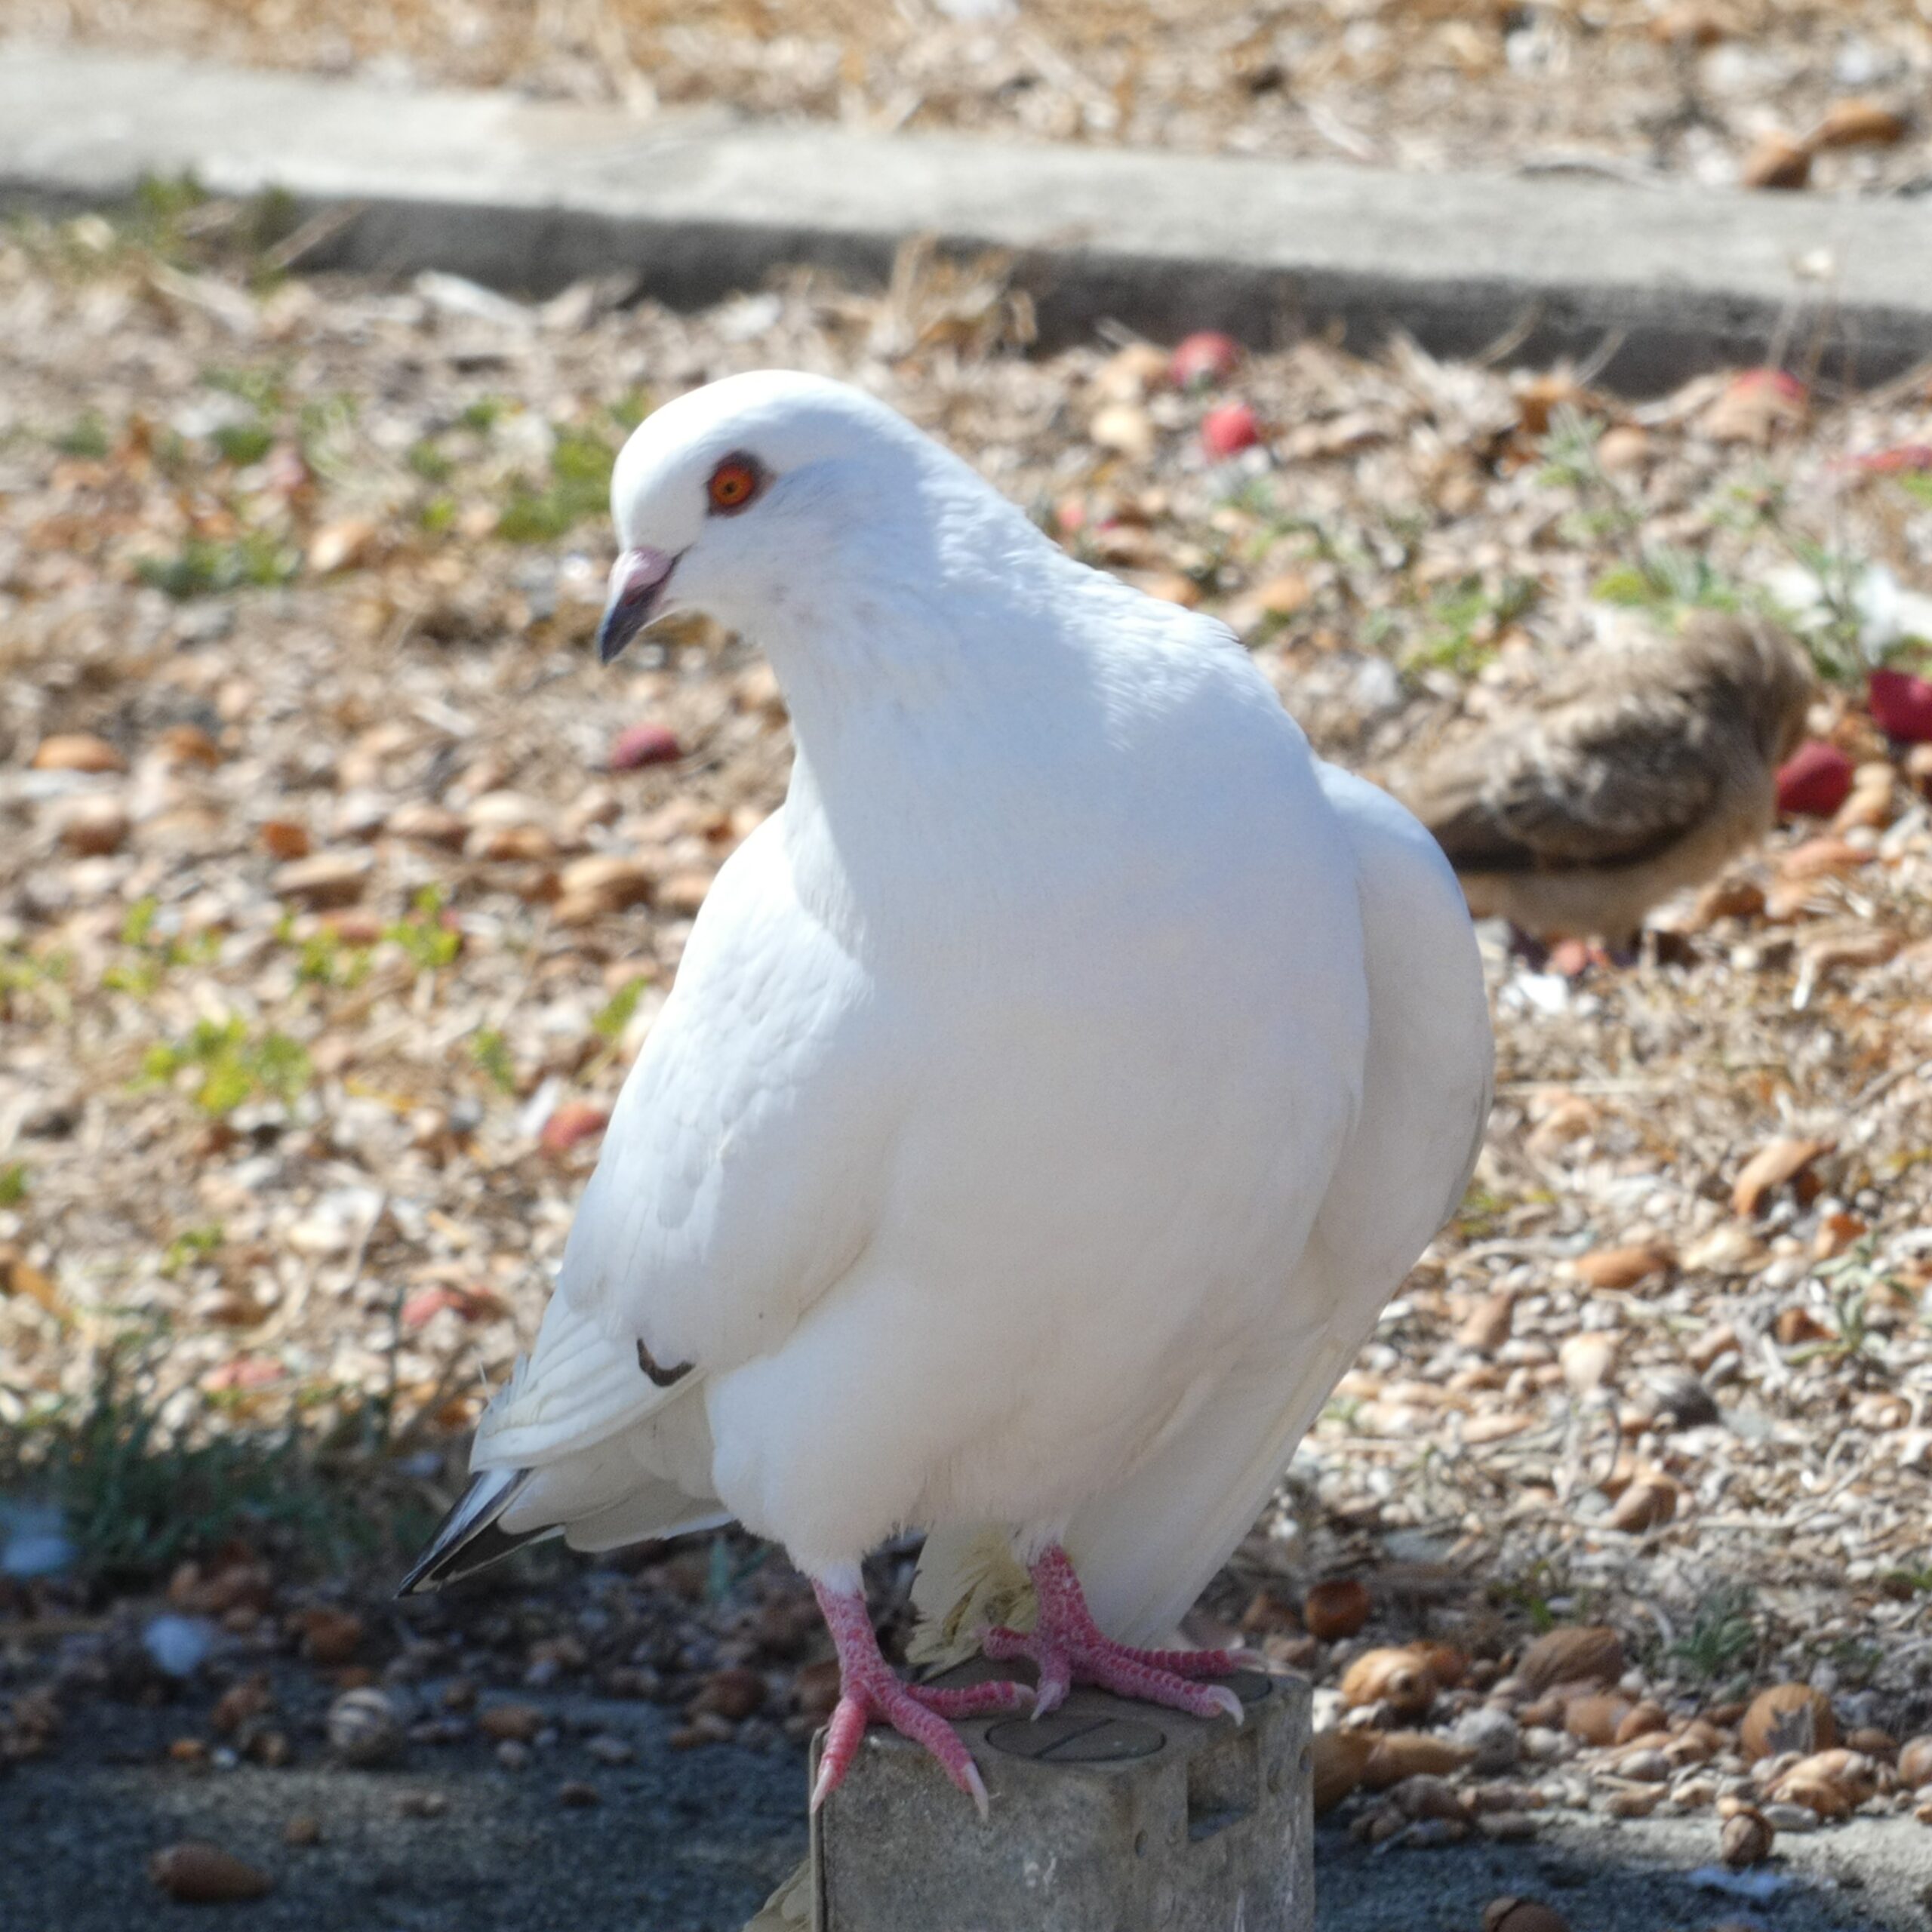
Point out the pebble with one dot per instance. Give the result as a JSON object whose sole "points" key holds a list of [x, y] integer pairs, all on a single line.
{"points": [[519, 1722], [1507, 1827], [1627, 1804], [513, 1755], [200, 1874], [365, 1728], [1782, 1817], [1492, 1735], [609, 1750], [178, 1646], [578, 1795]]}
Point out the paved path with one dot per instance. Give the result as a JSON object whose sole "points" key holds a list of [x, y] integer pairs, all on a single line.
{"points": [[532, 196]]}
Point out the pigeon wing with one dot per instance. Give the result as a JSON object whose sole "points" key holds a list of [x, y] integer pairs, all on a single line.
{"points": [[739, 1179], [1606, 780]]}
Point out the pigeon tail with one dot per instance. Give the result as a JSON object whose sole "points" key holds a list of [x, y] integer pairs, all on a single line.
{"points": [[468, 1538]]}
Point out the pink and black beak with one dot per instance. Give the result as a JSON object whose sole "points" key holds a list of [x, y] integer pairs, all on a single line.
{"points": [[638, 578]]}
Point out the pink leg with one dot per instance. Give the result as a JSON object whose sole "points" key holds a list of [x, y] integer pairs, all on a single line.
{"points": [[1070, 1647], [869, 1687]]}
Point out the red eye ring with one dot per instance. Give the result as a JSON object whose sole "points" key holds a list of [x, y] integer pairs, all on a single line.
{"points": [[735, 481]]}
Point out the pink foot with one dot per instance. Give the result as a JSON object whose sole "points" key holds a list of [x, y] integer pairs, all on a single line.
{"points": [[869, 1687], [1070, 1647]]}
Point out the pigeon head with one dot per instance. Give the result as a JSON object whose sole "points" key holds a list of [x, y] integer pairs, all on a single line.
{"points": [[742, 500]]}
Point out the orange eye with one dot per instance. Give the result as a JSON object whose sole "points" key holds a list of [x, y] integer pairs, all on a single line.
{"points": [[734, 483]]}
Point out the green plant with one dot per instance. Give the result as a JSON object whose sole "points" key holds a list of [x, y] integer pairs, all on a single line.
{"points": [[484, 414], [264, 388], [422, 935], [1857, 1286], [163, 212], [191, 1244], [1533, 1594], [154, 958], [1723, 1635], [429, 461], [206, 567], [230, 1067], [1465, 620], [138, 1494], [617, 1012], [28, 981], [13, 1184], [242, 444], [326, 959], [579, 487], [491, 1052], [86, 436], [1481, 1213], [1656, 576]]}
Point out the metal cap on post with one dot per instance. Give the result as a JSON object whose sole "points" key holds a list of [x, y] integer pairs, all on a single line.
{"points": [[1106, 1816]]}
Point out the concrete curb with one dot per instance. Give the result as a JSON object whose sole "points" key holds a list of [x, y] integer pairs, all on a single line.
{"points": [[531, 197]]}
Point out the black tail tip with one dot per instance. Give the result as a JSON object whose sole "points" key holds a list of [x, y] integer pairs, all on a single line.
{"points": [[467, 1538]]}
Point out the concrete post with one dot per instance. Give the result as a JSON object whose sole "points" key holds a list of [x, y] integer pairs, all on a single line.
{"points": [[1106, 1816]]}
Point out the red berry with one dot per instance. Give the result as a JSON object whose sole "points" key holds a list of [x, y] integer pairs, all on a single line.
{"points": [[642, 745], [1905, 460], [1816, 780], [574, 1121], [1203, 359], [1228, 428], [1779, 382], [1902, 705]]}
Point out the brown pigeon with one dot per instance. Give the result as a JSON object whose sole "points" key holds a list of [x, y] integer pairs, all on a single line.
{"points": [[1637, 770]]}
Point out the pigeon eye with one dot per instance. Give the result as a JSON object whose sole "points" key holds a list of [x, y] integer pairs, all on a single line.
{"points": [[733, 483]]}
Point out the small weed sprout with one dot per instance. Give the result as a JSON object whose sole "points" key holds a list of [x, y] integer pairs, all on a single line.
{"points": [[1723, 1636], [229, 1067]]}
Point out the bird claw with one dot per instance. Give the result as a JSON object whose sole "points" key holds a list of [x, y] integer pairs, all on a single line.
{"points": [[869, 1687], [1068, 1647], [918, 1712]]}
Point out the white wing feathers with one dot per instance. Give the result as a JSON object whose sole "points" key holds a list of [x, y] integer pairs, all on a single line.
{"points": [[739, 1179]]}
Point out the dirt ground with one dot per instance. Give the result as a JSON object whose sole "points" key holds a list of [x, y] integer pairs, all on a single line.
{"points": [[339, 886], [692, 1842], [1650, 90]]}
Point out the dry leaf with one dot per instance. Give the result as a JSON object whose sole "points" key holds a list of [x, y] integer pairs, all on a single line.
{"points": [[1625, 1267], [1398, 1678], [1788, 1717], [1340, 1758], [1574, 1653], [1776, 161], [1775, 1164], [19, 1276], [1857, 123]]}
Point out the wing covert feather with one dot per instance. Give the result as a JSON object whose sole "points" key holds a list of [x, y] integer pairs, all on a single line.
{"points": [[740, 1172]]}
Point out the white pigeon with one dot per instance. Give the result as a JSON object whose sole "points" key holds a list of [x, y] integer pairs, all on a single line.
{"points": [[1052, 1092]]}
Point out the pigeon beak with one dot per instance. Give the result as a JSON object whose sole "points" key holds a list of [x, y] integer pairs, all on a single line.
{"points": [[638, 578]]}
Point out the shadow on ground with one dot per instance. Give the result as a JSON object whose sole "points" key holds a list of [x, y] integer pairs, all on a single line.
{"points": [[693, 1841], [680, 1841], [1649, 1875]]}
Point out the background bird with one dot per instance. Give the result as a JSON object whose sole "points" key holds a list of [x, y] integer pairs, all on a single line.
{"points": [[1051, 1093], [1638, 770]]}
